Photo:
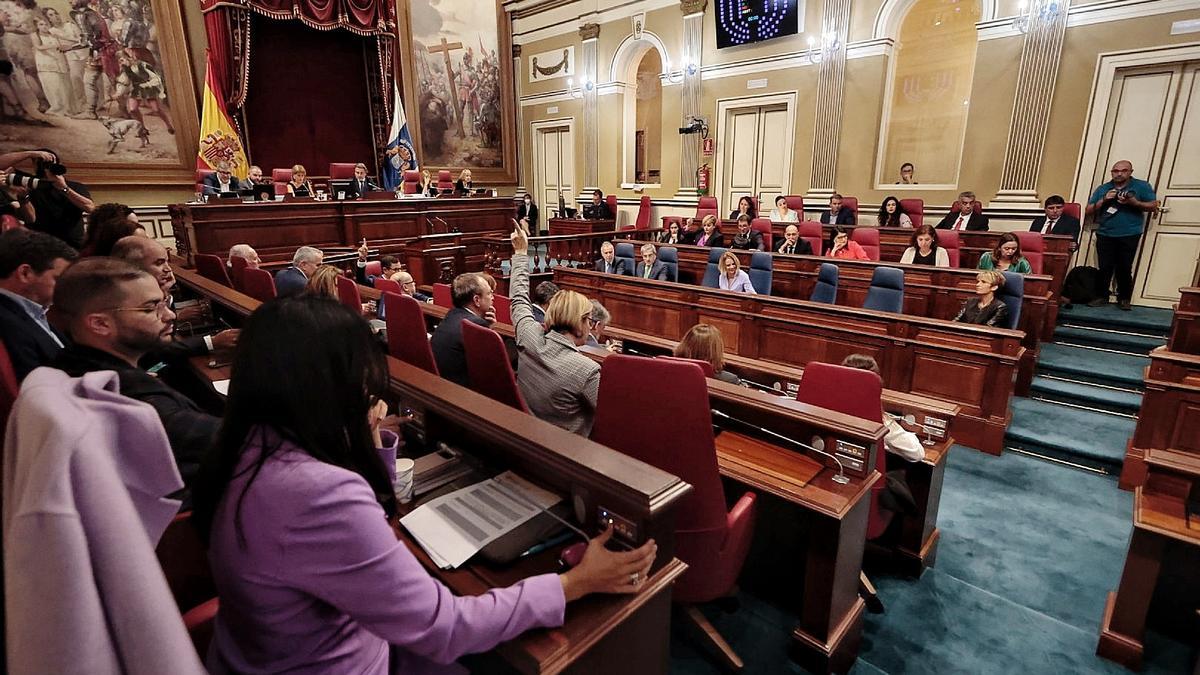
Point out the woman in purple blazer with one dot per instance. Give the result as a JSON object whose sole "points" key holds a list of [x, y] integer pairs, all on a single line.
{"points": [[295, 503]]}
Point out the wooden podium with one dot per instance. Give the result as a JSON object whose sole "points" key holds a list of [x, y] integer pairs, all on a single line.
{"points": [[435, 258]]}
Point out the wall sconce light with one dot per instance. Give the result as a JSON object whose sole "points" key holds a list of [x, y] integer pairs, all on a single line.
{"points": [[689, 69], [1032, 12], [825, 48], [586, 86]]}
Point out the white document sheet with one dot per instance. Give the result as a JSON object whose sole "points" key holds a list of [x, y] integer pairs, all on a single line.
{"points": [[456, 526]]}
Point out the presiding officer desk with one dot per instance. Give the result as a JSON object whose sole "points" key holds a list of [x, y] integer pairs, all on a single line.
{"points": [[825, 597], [971, 366], [599, 631], [276, 229]]}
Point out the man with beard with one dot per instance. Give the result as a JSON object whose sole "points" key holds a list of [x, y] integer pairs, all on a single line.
{"points": [[115, 314]]}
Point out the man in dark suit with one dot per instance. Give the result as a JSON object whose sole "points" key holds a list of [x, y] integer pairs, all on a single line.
{"points": [[361, 185], [963, 217], [598, 209], [835, 214], [221, 181], [792, 243], [651, 267], [473, 301], [116, 314], [292, 280], [746, 238], [30, 264], [608, 261], [1055, 221]]}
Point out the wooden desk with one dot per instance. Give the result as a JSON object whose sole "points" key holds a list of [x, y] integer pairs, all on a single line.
{"points": [[971, 366], [825, 598], [1185, 326], [601, 630], [276, 229], [934, 292], [561, 226]]}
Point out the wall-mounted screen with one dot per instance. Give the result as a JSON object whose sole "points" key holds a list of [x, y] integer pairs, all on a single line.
{"points": [[740, 22]]}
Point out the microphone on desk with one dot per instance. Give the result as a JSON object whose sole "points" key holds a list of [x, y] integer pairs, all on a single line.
{"points": [[912, 419], [841, 478], [445, 224]]}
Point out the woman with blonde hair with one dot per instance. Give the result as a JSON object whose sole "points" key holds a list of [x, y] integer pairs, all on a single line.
{"points": [[428, 184], [703, 343], [731, 276], [711, 233], [463, 184], [986, 309], [299, 185], [560, 384], [323, 282]]}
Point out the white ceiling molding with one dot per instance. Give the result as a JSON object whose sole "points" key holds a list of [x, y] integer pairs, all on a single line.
{"points": [[1086, 15], [854, 50], [561, 19], [632, 50]]}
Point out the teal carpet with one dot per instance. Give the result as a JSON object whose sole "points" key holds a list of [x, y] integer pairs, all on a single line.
{"points": [[1066, 431], [1091, 365], [1148, 320], [1130, 342], [1079, 393], [1019, 584]]}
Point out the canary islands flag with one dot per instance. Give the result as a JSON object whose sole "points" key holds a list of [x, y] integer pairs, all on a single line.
{"points": [[218, 140], [401, 156]]}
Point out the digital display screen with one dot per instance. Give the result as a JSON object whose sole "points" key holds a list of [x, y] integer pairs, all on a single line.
{"points": [[741, 22]]}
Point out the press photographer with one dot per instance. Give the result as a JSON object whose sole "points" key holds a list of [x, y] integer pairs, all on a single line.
{"points": [[59, 203]]}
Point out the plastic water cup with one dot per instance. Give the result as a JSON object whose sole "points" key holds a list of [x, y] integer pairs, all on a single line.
{"points": [[403, 482], [341, 195]]}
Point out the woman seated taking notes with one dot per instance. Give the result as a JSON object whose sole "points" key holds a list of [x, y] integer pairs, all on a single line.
{"points": [[703, 343], [840, 246], [924, 250], [732, 278], [1006, 257], [986, 309], [295, 502], [299, 186]]}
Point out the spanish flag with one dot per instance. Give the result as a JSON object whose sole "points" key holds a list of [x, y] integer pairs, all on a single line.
{"points": [[218, 140]]}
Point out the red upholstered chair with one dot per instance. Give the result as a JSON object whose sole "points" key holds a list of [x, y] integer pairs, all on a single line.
{"points": [[611, 200], [258, 284], [948, 239], [754, 201], [812, 232], [712, 541], [795, 203], [210, 267], [859, 393], [1074, 210], [704, 365], [503, 306], [1033, 248], [8, 385], [406, 335], [488, 367], [182, 555], [442, 296], [341, 170], [8, 222], [852, 204], [643, 214], [868, 238], [348, 295], [388, 285], [374, 268], [444, 180], [763, 226], [237, 268], [201, 174], [281, 177], [706, 206], [915, 208], [200, 621], [412, 182]]}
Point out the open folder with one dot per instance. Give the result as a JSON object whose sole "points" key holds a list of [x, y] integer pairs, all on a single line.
{"points": [[456, 526]]}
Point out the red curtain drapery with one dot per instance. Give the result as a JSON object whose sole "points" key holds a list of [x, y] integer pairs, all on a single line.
{"points": [[365, 17]]}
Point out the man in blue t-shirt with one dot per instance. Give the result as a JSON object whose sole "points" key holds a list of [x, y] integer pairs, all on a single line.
{"points": [[1119, 208]]}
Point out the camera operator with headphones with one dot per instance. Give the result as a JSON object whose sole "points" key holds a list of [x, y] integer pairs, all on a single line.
{"points": [[59, 203]]}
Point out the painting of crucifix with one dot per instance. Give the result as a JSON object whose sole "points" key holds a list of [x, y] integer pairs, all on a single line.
{"points": [[458, 87]]}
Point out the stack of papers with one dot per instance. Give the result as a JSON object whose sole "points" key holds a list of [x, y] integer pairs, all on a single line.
{"points": [[456, 526]]}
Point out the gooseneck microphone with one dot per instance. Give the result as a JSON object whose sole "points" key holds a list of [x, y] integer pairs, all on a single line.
{"points": [[841, 478]]}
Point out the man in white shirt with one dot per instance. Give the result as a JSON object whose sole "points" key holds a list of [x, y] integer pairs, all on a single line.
{"points": [[899, 441]]}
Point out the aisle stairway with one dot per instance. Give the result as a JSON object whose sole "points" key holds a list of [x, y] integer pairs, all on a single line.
{"points": [[1086, 394]]}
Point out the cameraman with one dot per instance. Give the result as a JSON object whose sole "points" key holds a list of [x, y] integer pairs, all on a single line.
{"points": [[59, 203], [14, 201]]}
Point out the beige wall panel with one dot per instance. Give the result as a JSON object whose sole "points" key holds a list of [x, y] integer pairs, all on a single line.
{"points": [[1141, 105], [862, 20], [987, 124], [1172, 257], [774, 165], [862, 109], [1185, 171], [528, 50], [1082, 46]]}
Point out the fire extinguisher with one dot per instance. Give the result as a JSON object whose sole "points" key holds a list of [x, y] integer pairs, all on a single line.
{"points": [[702, 177]]}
